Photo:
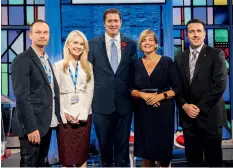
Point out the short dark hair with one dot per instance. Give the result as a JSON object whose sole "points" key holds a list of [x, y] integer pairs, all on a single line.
{"points": [[195, 21], [37, 21], [111, 10]]}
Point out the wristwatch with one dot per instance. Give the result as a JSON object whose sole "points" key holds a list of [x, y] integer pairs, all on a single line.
{"points": [[165, 95]]}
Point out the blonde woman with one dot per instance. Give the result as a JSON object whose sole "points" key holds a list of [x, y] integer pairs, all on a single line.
{"points": [[155, 85], [75, 79]]}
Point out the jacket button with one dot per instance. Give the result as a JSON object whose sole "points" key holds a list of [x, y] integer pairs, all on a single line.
{"points": [[50, 107]]}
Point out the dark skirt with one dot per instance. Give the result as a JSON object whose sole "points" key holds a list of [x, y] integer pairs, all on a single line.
{"points": [[154, 131], [74, 141]]}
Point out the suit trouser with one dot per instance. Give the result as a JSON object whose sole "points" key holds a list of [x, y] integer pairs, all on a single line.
{"points": [[203, 148], [34, 155], [113, 136]]}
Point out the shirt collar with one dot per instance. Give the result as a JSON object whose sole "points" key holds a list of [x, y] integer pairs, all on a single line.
{"points": [[197, 49], [37, 53], [108, 38]]}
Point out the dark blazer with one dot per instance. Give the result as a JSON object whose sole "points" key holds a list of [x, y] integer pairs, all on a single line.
{"points": [[111, 91], [206, 90], [33, 94]]}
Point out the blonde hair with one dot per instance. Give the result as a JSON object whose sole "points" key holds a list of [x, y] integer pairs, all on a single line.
{"points": [[145, 34], [83, 58]]}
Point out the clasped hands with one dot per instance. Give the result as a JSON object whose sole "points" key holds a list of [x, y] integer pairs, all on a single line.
{"points": [[71, 119], [191, 110], [152, 99]]}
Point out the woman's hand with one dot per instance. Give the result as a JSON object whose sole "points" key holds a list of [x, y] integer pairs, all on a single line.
{"points": [[145, 96], [71, 119], [155, 99], [148, 97]]}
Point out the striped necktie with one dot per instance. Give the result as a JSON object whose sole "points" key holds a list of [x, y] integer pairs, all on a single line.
{"points": [[192, 64]]}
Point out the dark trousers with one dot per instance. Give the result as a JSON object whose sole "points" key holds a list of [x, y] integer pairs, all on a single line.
{"points": [[203, 148], [113, 135], [34, 155]]}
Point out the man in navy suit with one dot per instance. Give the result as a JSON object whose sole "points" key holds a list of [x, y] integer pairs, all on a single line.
{"points": [[112, 55], [37, 98]]}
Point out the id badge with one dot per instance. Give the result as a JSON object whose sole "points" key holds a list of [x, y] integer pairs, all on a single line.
{"points": [[74, 99]]}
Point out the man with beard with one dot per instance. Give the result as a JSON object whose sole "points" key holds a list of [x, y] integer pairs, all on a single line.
{"points": [[37, 98], [202, 71]]}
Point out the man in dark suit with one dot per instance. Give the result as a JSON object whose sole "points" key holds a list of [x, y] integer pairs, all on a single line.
{"points": [[203, 74], [111, 56], [37, 98]]}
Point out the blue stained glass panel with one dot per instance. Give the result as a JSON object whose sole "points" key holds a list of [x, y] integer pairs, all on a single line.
{"points": [[4, 15], [176, 33], [30, 14], [210, 2], [4, 57], [210, 15], [177, 2], [41, 12], [30, 2], [11, 56], [210, 37], [199, 13], [12, 34], [18, 2], [226, 94], [4, 41], [177, 41], [16, 11], [176, 16], [40, 2], [3, 2], [221, 15], [187, 2], [187, 15], [11, 93], [199, 2], [66, 2]]}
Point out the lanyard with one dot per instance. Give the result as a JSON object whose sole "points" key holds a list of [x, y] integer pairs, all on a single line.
{"points": [[74, 77], [47, 71]]}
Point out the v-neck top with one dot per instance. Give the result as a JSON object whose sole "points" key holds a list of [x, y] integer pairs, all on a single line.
{"points": [[153, 68], [163, 77]]}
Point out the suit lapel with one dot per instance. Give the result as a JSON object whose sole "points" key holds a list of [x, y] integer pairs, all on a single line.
{"points": [[186, 65], [36, 60], [199, 61], [123, 52], [103, 45]]}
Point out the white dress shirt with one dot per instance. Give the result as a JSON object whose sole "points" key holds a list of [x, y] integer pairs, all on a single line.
{"points": [[84, 90], [108, 43]]}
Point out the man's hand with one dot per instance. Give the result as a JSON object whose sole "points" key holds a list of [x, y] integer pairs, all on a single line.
{"points": [[191, 110], [34, 137]]}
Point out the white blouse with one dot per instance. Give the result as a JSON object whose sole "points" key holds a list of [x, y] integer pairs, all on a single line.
{"points": [[84, 91]]}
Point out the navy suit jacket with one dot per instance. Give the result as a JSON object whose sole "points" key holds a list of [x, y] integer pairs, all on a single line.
{"points": [[111, 91], [34, 99]]}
